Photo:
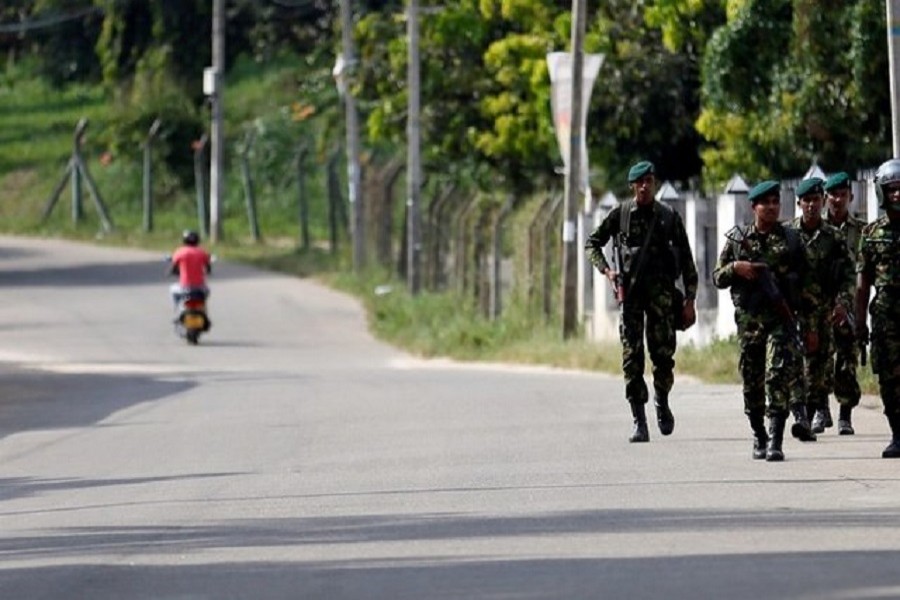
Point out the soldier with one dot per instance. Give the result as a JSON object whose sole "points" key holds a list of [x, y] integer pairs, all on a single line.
{"points": [[829, 295], [878, 266], [764, 266], [841, 368], [650, 251]]}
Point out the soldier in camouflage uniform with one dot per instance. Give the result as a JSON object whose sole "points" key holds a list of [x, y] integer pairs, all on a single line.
{"points": [[650, 238], [878, 266], [764, 266], [841, 368], [829, 294]]}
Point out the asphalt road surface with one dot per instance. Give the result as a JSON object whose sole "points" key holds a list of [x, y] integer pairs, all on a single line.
{"points": [[290, 455]]}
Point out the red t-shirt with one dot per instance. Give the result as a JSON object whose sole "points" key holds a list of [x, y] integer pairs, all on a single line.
{"points": [[192, 262]]}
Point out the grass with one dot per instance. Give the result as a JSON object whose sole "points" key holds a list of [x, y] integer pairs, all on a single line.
{"points": [[36, 125]]}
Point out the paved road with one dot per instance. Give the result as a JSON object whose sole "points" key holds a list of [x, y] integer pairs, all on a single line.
{"points": [[292, 456]]}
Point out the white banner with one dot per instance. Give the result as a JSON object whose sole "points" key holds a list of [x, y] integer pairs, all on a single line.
{"points": [[560, 66]]}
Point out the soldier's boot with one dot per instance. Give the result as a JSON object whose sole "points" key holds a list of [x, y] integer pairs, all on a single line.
{"points": [[640, 433], [801, 429], [760, 437], [893, 449], [664, 417], [845, 425], [822, 420], [776, 436]]}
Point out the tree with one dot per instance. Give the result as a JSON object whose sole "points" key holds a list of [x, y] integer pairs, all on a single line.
{"points": [[787, 83]]}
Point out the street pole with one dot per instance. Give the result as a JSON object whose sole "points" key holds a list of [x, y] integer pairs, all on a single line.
{"points": [[353, 145], [413, 159], [893, 30], [573, 176], [216, 137]]}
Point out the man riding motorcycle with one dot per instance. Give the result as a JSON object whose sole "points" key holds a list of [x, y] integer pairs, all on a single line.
{"points": [[191, 263]]}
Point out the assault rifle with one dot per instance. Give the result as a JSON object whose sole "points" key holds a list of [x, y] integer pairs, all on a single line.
{"points": [[619, 267], [779, 303]]}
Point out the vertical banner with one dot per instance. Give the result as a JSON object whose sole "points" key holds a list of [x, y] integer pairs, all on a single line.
{"points": [[560, 66]]}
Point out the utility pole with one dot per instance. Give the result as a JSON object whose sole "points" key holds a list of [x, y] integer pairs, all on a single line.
{"points": [[573, 176], [216, 137], [413, 159], [343, 72], [893, 31]]}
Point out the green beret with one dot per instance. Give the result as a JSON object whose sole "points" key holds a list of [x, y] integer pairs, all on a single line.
{"points": [[763, 188], [639, 170], [813, 185], [837, 181]]}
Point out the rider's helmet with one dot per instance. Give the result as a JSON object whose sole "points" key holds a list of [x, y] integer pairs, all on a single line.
{"points": [[190, 238], [887, 173]]}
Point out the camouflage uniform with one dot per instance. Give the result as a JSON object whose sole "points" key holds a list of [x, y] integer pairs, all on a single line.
{"points": [[833, 279], [879, 258], [650, 296], [771, 364], [841, 366]]}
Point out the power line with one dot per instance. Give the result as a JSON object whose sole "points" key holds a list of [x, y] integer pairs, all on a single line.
{"points": [[48, 21]]}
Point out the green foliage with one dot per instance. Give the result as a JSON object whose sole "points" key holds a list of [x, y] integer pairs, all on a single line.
{"points": [[790, 82]]}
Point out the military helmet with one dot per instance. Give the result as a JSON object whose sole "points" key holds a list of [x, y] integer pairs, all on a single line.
{"points": [[887, 173]]}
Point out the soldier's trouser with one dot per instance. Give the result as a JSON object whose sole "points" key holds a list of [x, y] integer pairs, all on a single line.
{"points": [[886, 363], [816, 367], [660, 333], [841, 368], [770, 366]]}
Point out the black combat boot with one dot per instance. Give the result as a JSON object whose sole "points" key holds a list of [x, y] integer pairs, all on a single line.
{"points": [[760, 437], [776, 435], [801, 429], [822, 419], [893, 449], [640, 432], [845, 426], [664, 417]]}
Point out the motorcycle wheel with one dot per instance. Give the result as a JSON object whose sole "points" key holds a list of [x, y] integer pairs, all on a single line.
{"points": [[192, 336]]}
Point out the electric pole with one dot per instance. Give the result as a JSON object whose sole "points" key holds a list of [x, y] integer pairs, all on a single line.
{"points": [[345, 71], [413, 159], [573, 176], [893, 31], [216, 137]]}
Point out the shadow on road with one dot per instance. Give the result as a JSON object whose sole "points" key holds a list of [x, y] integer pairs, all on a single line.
{"points": [[32, 399], [757, 573]]}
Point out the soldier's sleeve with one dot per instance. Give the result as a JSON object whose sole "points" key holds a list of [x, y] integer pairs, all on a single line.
{"points": [[723, 274], [598, 239], [846, 276], [863, 253], [688, 267]]}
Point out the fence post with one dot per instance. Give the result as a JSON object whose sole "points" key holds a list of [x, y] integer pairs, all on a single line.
{"points": [[436, 210], [148, 175], [200, 171], [302, 200], [548, 228], [249, 197], [497, 250]]}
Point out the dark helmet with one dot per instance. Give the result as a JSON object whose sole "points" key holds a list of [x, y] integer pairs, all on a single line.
{"points": [[888, 172], [190, 237]]}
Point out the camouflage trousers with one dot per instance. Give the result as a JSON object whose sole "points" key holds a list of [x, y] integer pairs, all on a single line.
{"points": [[771, 367], [816, 367], [841, 367], [886, 362], [653, 317]]}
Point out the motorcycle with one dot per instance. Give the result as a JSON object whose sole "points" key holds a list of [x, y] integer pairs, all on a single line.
{"points": [[192, 319]]}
